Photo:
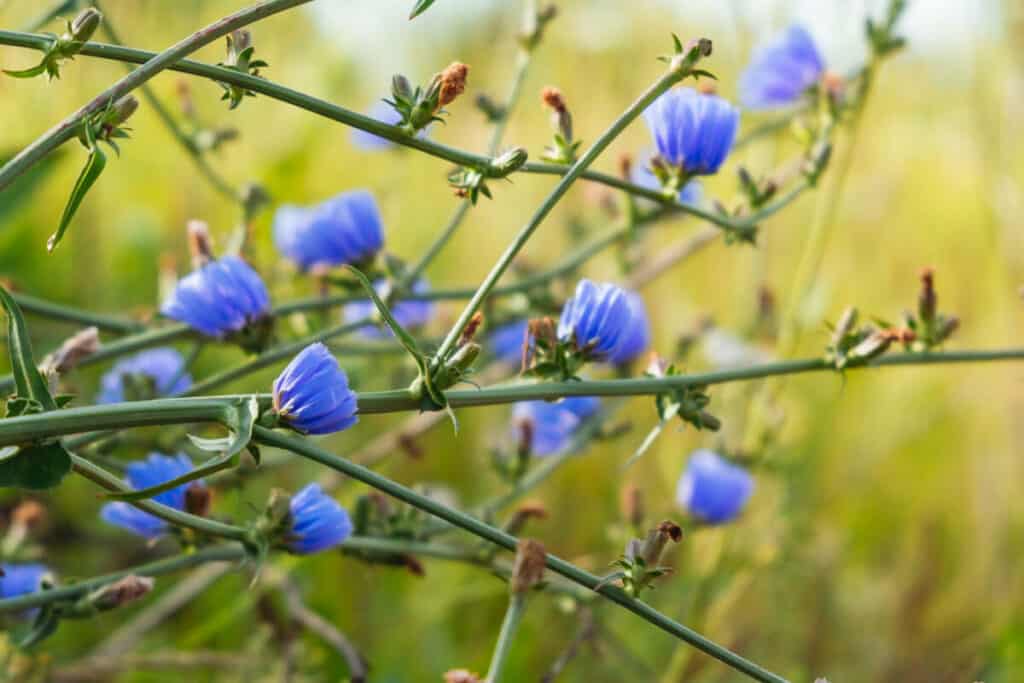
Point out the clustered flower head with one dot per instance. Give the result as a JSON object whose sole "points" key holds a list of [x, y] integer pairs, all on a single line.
{"points": [[694, 132], [143, 474], [712, 489], [344, 229], [550, 426], [311, 395], [222, 297], [21, 579], [162, 372], [318, 522], [410, 313], [782, 71], [599, 319]]}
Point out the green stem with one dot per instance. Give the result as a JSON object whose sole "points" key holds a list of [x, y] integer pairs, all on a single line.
{"points": [[68, 128], [356, 120], [674, 75], [47, 309], [220, 553], [25, 428], [216, 181], [487, 532], [201, 524], [509, 626]]}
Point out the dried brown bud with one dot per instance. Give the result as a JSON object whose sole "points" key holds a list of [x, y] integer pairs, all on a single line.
{"points": [[198, 499], [524, 437], [470, 330], [651, 548], [631, 504], [947, 328], [625, 166], [453, 83], [120, 592], [552, 98], [75, 348], [528, 568], [523, 514], [29, 514], [200, 246], [461, 676], [927, 300]]}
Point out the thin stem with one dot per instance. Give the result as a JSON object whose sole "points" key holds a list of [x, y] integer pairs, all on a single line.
{"points": [[168, 514], [393, 133], [507, 541], [76, 316], [26, 428], [68, 128], [216, 181], [673, 76], [220, 553], [509, 626]]}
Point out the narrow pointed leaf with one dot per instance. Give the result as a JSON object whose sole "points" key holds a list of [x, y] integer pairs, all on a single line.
{"points": [[420, 7], [93, 168], [27, 73], [28, 382]]}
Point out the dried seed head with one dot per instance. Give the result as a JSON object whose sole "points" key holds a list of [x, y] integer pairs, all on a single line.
{"points": [[453, 83], [79, 346], [528, 569]]}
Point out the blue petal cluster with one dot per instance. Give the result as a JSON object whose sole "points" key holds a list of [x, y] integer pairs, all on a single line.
{"points": [[506, 342], [410, 313], [141, 474], [598, 317], [638, 332], [552, 425], [713, 489], [318, 522], [781, 71], [693, 131], [21, 579], [312, 393], [165, 367], [344, 229], [221, 297]]}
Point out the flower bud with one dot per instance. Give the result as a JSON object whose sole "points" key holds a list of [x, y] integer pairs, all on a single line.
{"points": [[927, 300], [239, 41], [845, 325], [122, 110], [400, 87], [79, 346], [874, 345], [528, 568], [452, 83], [469, 332], [120, 592], [85, 24], [523, 514], [510, 161], [200, 244], [651, 548], [946, 328]]}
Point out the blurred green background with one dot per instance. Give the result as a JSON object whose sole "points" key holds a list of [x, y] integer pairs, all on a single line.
{"points": [[883, 538]]}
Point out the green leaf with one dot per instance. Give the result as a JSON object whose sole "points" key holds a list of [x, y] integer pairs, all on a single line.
{"points": [[29, 384], [420, 7], [35, 467], [94, 166], [43, 626], [239, 417], [36, 70]]}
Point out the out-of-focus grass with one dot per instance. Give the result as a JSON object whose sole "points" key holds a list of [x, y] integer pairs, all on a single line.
{"points": [[882, 541]]}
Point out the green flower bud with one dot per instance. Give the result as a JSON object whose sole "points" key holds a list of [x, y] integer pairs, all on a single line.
{"points": [[84, 25], [510, 161]]}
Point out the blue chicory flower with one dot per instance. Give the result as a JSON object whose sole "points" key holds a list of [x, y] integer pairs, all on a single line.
{"points": [[410, 313], [318, 522], [312, 393], [21, 579], [638, 332], [713, 489], [165, 367], [142, 474], [221, 297], [506, 342], [552, 425], [781, 71], [597, 318], [344, 229], [693, 131]]}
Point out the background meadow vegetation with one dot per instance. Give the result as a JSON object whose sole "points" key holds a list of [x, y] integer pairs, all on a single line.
{"points": [[883, 540]]}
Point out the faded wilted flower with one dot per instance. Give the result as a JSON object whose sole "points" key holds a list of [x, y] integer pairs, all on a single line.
{"points": [[528, 568], [452, 83]]}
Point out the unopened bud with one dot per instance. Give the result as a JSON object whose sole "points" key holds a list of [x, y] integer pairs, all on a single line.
{"points": [[523, 514], [461, 676], [631, 504], [452, 83], [79, 346], [702, 45], [463, 359], [120, 592], [652, 547], [85, 24], [400, 87], [927, 299], [239, 41], [510, 161], [528, 568], [946, 328], [875, 344], [847, 321], [122, 110], [198, 499], [200, 245]]}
